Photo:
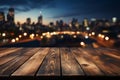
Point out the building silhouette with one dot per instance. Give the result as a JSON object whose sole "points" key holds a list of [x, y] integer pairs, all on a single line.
{"points": [[10, 15], [2, 18], [85, 22], [40, 19], [28, 21]]}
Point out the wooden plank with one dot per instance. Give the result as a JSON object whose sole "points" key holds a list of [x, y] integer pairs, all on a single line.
{"points": [[10, 56], [51, 64], [110, 52], [4, 49], [114, 49], [112, 57], [30, 67], [8, 68], [8, 51], [68, 63], [87, 65], [104, 62]]}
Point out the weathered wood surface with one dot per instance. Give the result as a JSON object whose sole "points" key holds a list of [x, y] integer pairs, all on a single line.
{"points": [[87, 65], [9, 67], [105, 63], [8, 51], [51, 64], [68, 63], [9, 55], [59, 61], [31, 66]]}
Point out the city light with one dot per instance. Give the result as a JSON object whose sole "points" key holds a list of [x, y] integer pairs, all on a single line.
{"points": [[70, 25], [114, 19], [32, 36], [72, 33], [105, 31], [74, 36], [102, 36], [48, 33], [86, 37], [89, 34], [13, 40], [62, 36], [25, 34], [51, 34], [78, 32], [82, 43], [48, 36], [37, 35], [17, 39], [43, 34], [93, 19], [106, 38], [77, 24], [88, 28], [41, 37], [3, 34], [64, 32], [20, 36], [118, 35], [54, 33], [99, 35], [93, 33]]}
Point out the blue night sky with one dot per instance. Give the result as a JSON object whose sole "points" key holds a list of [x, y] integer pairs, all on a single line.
{"points": [[62, 9]]}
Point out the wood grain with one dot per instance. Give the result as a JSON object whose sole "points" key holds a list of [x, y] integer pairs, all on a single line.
{"points": [[68, 63], [8, 51], [31, 66], [104, 62], [89, 67], [59, 61], [10, 56], [8, 68], [51, 64]]}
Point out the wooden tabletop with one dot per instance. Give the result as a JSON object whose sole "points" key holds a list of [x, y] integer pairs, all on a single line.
{"points": [[59, 61]]}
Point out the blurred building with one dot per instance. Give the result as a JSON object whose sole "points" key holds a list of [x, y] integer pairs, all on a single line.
{"points": [[2, 18], [74, 23], [10, 15], [85, 22], [107, 23], [28, 21], [40, 19], [100, 23], [93, 23], [51, 24], [28, 25], [59, 24]]}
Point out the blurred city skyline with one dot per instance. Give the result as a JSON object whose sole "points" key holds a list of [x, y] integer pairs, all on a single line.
{"points": [[53, 10]]}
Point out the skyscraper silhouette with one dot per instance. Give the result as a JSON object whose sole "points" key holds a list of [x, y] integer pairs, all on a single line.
{"points": [[10, 15]]}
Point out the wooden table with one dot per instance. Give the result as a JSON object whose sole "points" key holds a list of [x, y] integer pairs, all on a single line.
{"points": [[59, 61]]}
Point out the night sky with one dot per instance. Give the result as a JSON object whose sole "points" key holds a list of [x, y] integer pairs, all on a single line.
{"points": [[62, 9]]}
